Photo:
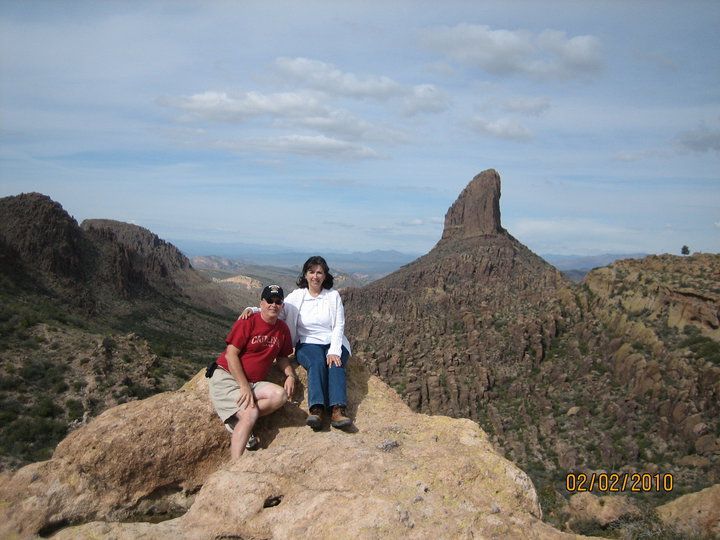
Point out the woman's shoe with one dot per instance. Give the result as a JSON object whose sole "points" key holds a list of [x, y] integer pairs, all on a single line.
{"points": [[314, 419], [338, 419]]}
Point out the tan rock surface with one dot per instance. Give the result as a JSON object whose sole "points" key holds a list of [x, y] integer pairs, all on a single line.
{"points": [[602, 510], [400, 474], [170, 442], [695, 514]]}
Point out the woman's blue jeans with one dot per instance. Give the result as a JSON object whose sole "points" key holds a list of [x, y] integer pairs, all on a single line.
{"points": [[326, 385]]}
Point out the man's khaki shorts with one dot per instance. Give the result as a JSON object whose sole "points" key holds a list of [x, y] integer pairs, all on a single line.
{"points": [[224, 393]]}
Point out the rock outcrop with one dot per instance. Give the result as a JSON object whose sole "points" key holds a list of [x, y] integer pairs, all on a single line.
{"points": [[477, 210], [42, 235], [399, 475], [678, 290], [480, 309], [154, 256], [696, 515]]}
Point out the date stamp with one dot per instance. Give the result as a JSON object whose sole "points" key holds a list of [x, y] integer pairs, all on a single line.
{"points": [[619, 482]]}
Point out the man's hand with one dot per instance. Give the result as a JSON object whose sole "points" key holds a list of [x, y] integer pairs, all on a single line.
{"points": [[246, 313], [290, 386], [246, 399], [334, 359]]}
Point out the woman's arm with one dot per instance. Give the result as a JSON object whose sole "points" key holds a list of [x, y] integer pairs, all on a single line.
{"points": [[338, 328]]}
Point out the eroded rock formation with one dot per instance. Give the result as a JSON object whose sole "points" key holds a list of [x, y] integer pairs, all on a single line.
{"points": [[478, 309], [399, 475]]}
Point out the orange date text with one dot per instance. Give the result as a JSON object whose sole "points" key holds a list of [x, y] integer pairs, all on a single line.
{"points": [[619, 482]]}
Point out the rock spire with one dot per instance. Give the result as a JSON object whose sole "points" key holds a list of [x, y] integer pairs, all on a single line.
{"points": [[477, 210]]}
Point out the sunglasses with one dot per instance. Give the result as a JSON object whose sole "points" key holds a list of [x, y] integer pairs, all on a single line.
{"points": [[277, 302]]}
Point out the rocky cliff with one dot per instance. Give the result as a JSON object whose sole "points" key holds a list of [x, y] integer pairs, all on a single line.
{"points": [[399, 475], [95, 265]]}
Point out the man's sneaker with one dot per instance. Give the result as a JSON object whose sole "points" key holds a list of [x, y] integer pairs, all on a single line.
{"points": [[338, 419], [252, 442], [314, 419]]}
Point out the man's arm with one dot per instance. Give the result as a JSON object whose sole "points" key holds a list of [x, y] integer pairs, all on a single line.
{"points": [[232, 353]]}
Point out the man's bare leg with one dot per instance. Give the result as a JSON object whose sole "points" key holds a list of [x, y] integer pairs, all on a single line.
{"points": [[268, 399]]}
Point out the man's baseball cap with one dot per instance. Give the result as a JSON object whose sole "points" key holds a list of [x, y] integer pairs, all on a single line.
{"points": [[272, 290]]}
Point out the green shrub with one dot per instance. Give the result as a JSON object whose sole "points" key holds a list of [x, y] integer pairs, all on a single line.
{"points": [[46, 408], [108, 345], [74, 409]]}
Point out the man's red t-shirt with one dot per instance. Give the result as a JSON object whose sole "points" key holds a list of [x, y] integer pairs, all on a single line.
{"points": [[259, 343]]}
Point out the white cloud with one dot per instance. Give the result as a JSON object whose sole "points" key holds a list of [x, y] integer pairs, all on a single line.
{"points": [[328, 78], [321, 76], [503, 128], [343, 124], [221, 106], [700, 139], [717, 224], [304, 145], [425, 98], [547, 54]]}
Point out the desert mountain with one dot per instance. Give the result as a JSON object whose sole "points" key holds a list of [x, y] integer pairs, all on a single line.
{"points": [[94, 264], [620, 373], [400, 475], [477, 311], [92, 316]]}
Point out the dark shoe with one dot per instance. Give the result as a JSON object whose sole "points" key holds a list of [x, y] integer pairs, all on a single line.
{"points": [[338, 419], [252, 443], [314, 419]]}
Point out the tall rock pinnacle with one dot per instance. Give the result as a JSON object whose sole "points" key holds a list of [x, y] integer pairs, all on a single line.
{"points": [[477, 210]]}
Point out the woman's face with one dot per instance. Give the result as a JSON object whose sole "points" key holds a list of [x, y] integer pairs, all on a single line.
{"points": [[315, 276]]}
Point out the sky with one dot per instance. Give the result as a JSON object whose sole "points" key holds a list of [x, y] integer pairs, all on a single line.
{"points": [[344, 126]]}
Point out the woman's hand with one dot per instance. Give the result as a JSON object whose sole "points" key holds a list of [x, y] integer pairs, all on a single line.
{"points": [[246, 313], [290, 386], [334, 360]]}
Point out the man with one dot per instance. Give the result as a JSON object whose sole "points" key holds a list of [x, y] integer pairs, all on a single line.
{"points": [[238, 389]]}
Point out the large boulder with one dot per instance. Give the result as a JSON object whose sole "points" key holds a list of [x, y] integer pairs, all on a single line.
{"points": [[397, 474], [696, 515]]}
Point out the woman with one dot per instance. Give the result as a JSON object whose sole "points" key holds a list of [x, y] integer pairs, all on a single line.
{"points": [[322, 348], [315, 315]]}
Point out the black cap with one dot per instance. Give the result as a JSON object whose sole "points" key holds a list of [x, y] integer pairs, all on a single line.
{"points": [[272, 290]]}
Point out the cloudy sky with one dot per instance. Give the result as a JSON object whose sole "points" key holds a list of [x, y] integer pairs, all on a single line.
{"points": [[338, 125]]}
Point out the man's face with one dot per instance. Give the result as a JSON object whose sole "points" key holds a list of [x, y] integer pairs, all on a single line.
{"points": [[271, 308]]}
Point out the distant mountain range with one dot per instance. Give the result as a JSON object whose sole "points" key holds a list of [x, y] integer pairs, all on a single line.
{"points": [[369, 264], [566, 263]]}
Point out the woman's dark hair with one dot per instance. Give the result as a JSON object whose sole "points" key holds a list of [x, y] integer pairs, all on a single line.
{"points": [[315, 260]]}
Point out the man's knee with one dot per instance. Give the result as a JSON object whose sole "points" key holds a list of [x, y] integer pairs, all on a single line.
{"points": [[248, 415], [279, 397]]}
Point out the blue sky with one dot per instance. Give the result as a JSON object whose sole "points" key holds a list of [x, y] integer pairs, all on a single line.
{"points": [[354, 125]]}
